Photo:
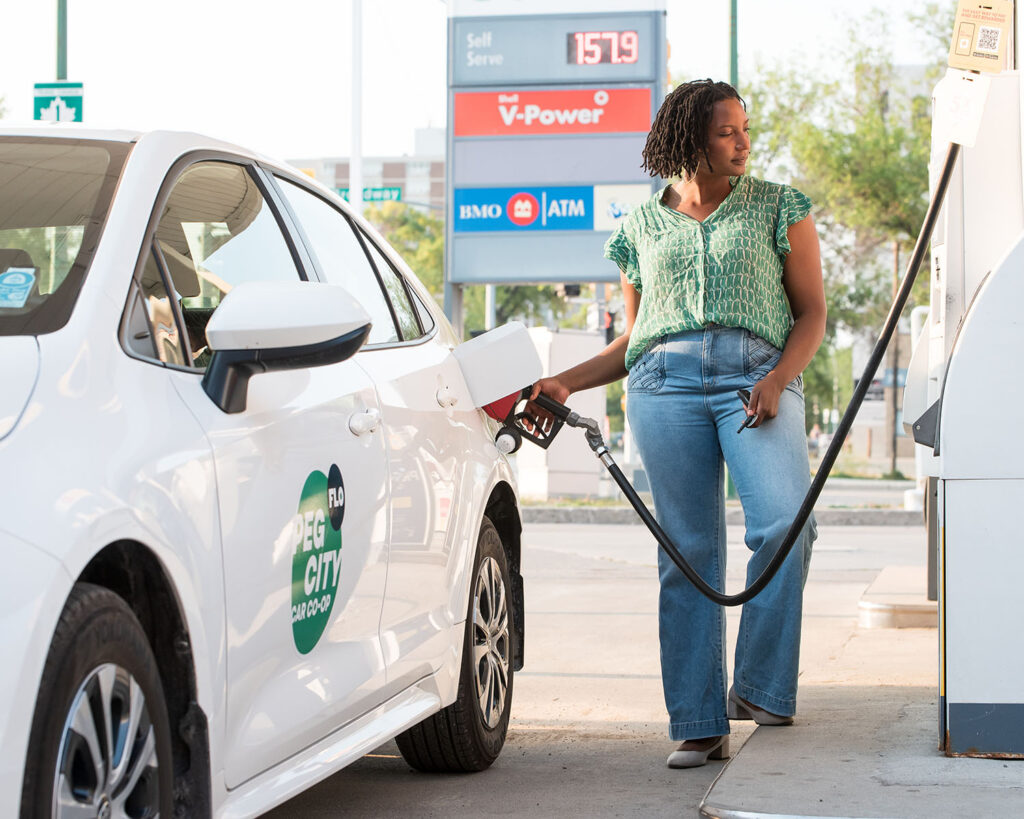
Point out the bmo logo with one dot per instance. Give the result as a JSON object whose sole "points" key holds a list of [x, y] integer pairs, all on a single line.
{"points": [[523, 209], [473, 211]]}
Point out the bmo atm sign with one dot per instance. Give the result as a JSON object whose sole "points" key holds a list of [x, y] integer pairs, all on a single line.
{"points": [[515, 209], [547, 117]]}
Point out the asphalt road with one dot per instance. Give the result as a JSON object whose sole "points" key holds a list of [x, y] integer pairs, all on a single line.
{"points": [[588, 734]]}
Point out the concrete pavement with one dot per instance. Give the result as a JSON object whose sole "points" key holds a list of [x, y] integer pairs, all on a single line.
{"points": [[588, 734], [865, 743], [843, 502]]}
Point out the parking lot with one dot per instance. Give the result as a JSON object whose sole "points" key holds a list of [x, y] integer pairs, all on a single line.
{"points": [[588, 734]]}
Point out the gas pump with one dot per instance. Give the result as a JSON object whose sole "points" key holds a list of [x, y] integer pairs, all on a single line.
{"points": [[963, 390]]}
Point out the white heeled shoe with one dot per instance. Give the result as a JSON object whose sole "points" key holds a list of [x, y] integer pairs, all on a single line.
{"points": [[719, 749], [737, 708]]}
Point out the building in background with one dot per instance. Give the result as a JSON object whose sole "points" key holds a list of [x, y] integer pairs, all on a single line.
{"points": [[416, 180]]}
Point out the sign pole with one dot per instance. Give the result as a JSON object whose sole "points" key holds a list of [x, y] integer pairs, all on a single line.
{"points": [[453, 306], [491, 309], [734, 67], [355, 163], [62, 39]]}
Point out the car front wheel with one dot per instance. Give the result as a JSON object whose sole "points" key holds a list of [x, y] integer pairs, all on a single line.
{"points": [[469, 734], [100, 742]]}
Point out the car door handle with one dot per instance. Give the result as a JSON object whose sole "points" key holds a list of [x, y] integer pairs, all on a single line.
{"points": [[361, 423], [446, 398]]}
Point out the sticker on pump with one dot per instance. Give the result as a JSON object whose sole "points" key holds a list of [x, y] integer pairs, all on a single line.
{"points": [[981, 36], [316, 555], [16, 286]]}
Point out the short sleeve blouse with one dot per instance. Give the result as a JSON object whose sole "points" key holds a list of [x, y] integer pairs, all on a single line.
{"points": [[724, 270]]}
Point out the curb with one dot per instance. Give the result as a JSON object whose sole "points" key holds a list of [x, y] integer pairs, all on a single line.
{"points": [[625, 516]]}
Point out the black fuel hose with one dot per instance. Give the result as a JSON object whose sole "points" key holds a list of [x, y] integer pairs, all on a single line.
{"points": [[831, 454]]}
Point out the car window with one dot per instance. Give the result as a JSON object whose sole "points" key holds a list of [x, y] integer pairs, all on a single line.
{"points": [[404, 311], [342, 258], [217, 231], [56, 195], [426, 317], [152, 330]]}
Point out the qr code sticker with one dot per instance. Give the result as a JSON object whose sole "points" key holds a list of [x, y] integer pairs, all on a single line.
{"points": [[988, 38]]}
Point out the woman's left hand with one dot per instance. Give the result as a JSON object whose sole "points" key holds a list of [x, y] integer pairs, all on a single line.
{"points": [[764, 398]]}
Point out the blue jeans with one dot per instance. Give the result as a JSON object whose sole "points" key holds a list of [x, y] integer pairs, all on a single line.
{"points": [[684, 413]]}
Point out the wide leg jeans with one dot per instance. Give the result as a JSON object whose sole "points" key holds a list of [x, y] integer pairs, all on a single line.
{"points": [[684, 414]]}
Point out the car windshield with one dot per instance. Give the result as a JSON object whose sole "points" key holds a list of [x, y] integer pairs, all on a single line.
{"points": [[54, 197]]}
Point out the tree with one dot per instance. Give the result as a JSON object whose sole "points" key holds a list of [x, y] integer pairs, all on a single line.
{"points": [[863, 158], [419, 239], [867, 166], [860, 148], [417, 236]]}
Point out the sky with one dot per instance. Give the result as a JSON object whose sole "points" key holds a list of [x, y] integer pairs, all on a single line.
{"points": [[277, 77]]}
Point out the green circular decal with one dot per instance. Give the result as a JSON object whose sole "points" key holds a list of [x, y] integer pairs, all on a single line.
{"points": [[316, 556]]}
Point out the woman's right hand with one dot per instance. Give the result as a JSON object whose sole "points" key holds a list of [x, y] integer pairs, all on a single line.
{"points": [[553, 388]]}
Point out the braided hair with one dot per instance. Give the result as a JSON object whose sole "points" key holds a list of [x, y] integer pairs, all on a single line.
{"points": [[679, 135]]}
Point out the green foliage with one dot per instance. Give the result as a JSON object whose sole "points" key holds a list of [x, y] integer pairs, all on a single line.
{"points": [[867, 165], [934, 25], [781, 103], [859, 146], [531, 304], [613, 406], [863, 158], [819, 383], [417, 236], [828, 385]]}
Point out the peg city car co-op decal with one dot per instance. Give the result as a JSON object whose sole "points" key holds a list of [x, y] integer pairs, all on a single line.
{"points": [[316, 556], [538, 113], [598, 207]]}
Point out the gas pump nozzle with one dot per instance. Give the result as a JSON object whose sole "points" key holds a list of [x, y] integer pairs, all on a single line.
{"points": [[519, 424], [495, 365]]}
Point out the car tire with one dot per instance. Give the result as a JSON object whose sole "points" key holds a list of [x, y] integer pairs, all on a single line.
{"points": [[469, 734], [100, 671]]}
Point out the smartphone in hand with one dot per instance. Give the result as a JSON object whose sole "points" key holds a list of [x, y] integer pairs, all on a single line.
{"points": [[750, 419]]}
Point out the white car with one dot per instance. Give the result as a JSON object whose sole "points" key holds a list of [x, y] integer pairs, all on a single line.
{"points": [[253, 523]]}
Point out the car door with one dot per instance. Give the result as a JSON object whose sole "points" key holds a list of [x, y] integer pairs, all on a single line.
{"points": [[423, 405], [301, 482]]}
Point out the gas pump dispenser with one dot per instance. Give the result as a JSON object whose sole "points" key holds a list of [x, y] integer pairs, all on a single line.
{"points": [[963, 392]]}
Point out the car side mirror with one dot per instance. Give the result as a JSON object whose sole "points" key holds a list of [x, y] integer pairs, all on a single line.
{"points": [[266, 326]]}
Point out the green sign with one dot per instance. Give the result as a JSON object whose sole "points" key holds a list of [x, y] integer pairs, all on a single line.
{"points": [[316, 556], [58, 102], [375, 194]]}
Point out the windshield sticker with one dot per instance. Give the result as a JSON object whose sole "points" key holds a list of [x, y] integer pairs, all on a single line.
{"points": [[316, 556], [16, 286]]}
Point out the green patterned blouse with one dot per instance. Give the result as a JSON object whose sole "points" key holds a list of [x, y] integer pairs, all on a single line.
{"points": [[725, 270]]}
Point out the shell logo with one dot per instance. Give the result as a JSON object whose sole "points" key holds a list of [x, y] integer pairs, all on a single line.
{"points": [[522, 209]]}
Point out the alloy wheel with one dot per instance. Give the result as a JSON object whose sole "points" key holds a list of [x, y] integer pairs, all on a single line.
{"points": [[491, 644], [107, 766]]}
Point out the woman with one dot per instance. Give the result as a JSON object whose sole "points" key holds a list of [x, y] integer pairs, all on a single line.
{"points": [[721, 277]]}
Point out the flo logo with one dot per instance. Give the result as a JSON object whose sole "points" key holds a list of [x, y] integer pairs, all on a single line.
{"points": [[316, 556]]}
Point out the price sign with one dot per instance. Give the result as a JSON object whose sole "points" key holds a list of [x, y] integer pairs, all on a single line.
{"points": [[594, 47], [554, 48]]}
